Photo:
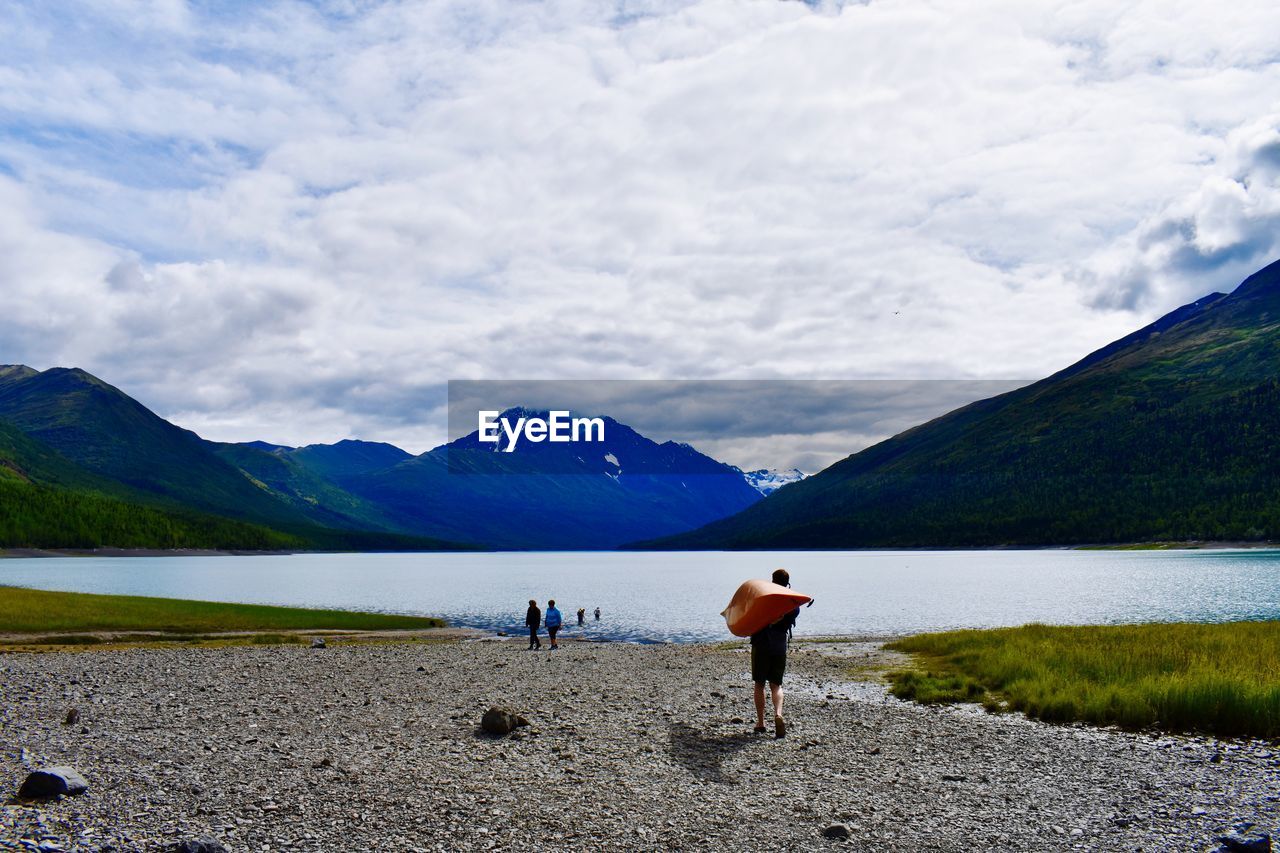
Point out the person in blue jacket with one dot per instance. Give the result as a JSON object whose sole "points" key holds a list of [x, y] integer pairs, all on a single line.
{"points": [[554, 621]]}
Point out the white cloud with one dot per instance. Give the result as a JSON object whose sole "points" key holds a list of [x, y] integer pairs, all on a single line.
{"points": [[296, 222], [1210, 238]]}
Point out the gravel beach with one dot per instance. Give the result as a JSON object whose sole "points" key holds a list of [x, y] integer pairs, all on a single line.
{"points": [[376, 746]]}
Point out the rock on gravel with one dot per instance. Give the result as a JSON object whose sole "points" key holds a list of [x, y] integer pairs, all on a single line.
{"points": [[496, 721], [317, 643], [1240, 842], [52, 782], [197, 845], [836, 832]]}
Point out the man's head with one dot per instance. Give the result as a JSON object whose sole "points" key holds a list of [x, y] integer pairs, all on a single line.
{"points": [[551, 603], [533, 603], [782, 577]]}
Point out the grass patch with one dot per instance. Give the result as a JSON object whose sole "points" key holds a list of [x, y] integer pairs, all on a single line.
{"points": [[38, 611], [1222, 679], [936, 688], [275, 639]]}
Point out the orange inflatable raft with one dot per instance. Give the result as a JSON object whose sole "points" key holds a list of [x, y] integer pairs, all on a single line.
{"points": [[758, 604]]}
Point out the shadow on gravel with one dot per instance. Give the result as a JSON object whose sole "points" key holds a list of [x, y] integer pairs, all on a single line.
{"points": [[703, 755]]}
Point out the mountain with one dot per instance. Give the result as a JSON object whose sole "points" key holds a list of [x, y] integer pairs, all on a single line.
{"points": [[103, 430], [766, 481], [47, 501], [348, 457], [301, 488], [266, 445], [86, 463], [547, 495], [1166, 434], [23, 459]]}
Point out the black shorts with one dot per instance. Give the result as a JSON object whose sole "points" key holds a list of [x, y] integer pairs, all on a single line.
{"points": [[551, 632], [766, 665]]}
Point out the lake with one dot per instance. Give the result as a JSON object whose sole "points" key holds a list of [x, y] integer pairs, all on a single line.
{"points": [[658, 597]]}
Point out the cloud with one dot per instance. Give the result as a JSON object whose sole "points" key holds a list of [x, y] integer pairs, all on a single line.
{"points": [[1209, 239], [295, 222]]}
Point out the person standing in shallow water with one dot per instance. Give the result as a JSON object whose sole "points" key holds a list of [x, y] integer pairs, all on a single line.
{"points": [[597, 614], [554, 620], [532, 619], [769, 662], [582, 616]]}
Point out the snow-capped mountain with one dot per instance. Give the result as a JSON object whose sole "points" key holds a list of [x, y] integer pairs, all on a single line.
{"points": [[766, 481], [587, 494]]}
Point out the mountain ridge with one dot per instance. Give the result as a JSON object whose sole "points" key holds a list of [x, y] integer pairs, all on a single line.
{"points": [[554, 495], [106, 456], [1159, 435], [85, 459]]}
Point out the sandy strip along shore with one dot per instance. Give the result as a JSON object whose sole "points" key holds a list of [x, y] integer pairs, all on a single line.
{"points": [[375, 747]]}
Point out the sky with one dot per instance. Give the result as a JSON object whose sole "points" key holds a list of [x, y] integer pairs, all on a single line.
{"points": [[296, 222]]}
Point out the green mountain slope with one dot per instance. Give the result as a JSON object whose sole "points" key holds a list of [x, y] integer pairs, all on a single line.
{"points": [[47, 501], [348, 458], [25, 460], [100, 428], [302, 489], [88, 466], [33, 516], [1165, 434]]}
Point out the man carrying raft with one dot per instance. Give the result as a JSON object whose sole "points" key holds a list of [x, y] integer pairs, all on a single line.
{"points": [[766, 611]]}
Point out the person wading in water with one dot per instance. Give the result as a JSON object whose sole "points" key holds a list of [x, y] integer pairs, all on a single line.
{"points": [[769, 662]]}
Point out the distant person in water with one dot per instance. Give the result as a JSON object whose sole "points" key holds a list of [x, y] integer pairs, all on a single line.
{"points": [[582, 616], [769, 661], [532, 620], [554, 621], [597, 614]]}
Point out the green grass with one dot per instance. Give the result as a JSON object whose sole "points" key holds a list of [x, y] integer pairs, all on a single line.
{"points": [[1222, 679], [37, 611]]}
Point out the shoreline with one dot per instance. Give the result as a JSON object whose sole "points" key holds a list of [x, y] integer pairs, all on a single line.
{"points": [[376, 746], [1190, 545], [31, 553]]}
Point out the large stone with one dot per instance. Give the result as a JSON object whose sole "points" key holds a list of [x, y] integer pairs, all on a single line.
{"points": [[317, 643], [1240, 842], [496, 721], [52, 782], [836, 831], [197, 845]]}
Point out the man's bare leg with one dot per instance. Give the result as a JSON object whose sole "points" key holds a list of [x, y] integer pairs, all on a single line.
{"points": [[776, 694], [759, 704]]}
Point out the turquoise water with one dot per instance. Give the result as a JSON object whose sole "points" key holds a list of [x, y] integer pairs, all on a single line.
{"points": [[678, 596]]}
